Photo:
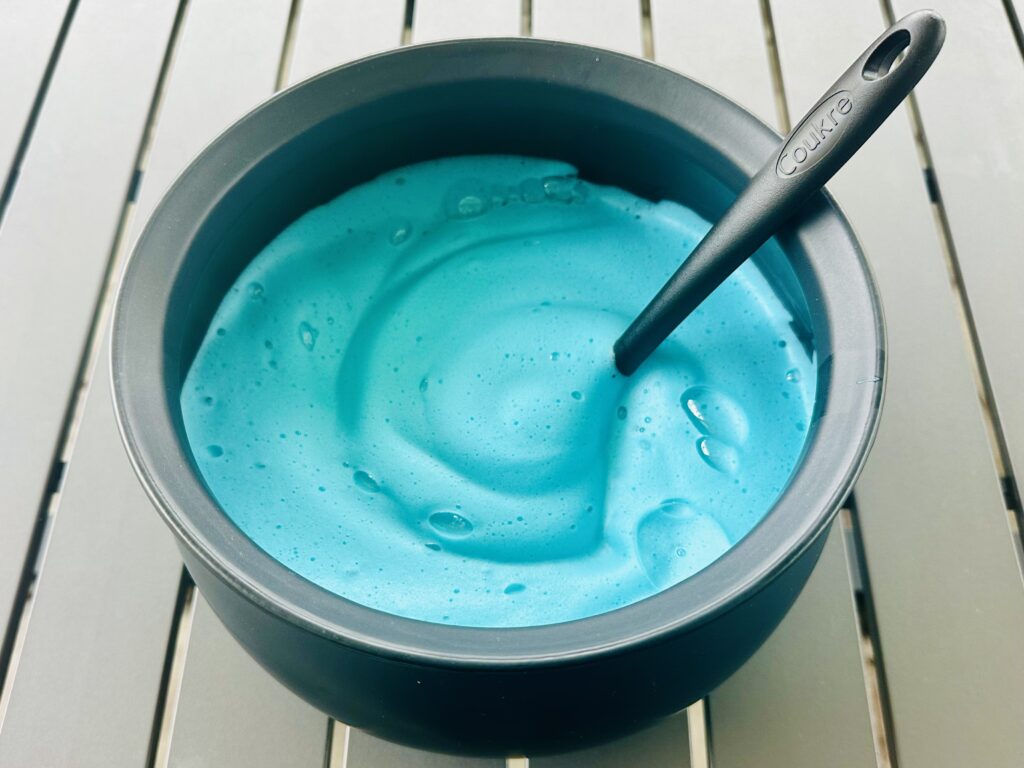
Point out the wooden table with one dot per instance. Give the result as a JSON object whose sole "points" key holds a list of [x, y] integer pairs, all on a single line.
{"points": [[907, 647]]}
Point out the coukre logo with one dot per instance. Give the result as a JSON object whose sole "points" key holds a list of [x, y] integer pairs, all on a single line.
{"points": [[815, 136]]}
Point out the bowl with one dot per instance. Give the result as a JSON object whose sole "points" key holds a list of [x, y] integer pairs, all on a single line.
{"points": [[621, 121]]}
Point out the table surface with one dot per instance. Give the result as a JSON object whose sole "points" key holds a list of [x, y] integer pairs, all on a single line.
{"points": [[907, 646]]}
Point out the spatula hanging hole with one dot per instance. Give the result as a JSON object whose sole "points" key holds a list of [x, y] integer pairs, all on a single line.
{"points": [[887, 56]]}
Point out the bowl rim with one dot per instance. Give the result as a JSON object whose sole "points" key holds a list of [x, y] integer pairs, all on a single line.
{"points": [[798, 517]]}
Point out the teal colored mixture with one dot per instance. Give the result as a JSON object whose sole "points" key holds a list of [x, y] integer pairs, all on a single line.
{"points": [[409, 398]]}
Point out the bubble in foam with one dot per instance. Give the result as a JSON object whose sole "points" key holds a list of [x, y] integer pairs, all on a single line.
{"points": [[718, 454], [715, 413], [307, 335], [366, 481], [675, 540], [401, 233], [450, 524]]}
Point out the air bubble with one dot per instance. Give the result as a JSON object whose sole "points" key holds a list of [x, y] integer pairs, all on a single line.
{"points": [[793, 376], [715, 413], [564, 188], [365, 481], [401, 234], [307, 335], [719, 455], [514, 588], [215, 450], [450, 524], [674, 540], [469, 206], [622, 412], [577, 395]]}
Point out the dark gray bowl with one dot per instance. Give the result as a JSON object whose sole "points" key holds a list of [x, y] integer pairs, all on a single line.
{"points": [[621, 121]]}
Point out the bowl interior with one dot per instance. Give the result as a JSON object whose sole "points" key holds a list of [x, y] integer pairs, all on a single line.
{"points": [[608, 141]]}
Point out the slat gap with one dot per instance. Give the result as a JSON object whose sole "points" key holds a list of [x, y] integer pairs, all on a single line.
{"points": [[875, 683], [17, 626], [410, 10], [647, 29], [1015, 25], [288, 46], [174, 669], [775, 66], [698, 726], [990, 412], [526, 19], [336, 755], [517, 762], [37, 104]]}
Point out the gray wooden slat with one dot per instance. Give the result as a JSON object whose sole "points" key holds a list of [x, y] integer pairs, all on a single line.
{"points": [[980, 172], [216, 79], [232, 713], [946, 586], [333, 31], [56, 240], [666, 745], [28, 33], [613, 24], [99, 627], [720, 46], [776, 711], [775, 699], [444, 19], [86, 687]]}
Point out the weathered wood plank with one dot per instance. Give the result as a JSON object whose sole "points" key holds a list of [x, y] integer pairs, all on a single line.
{"points": [[811, 713], [445, 19], [28, 34], [613, 24], [56, 240], [762, 715], [721, 46], [232, 713], [96, 641], [946, 586], [335, 31]]}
